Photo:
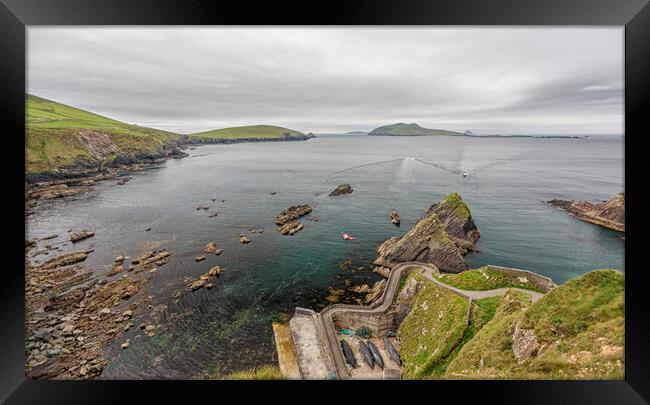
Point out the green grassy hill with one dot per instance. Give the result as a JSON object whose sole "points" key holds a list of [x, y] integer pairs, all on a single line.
{"points": [[249, 132], [402, 129], [576, 331], [59, 136]]}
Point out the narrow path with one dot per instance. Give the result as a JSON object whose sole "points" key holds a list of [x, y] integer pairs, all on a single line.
{"points": [[385, 301]]}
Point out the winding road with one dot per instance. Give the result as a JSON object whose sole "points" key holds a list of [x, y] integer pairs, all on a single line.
{"points": [[386, 300]]}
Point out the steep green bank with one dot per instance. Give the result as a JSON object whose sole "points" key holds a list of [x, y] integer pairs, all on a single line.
{"points": [[267, 372], [575, 331], [66, 142], [432, 329], [63, 141], [402, 129]]}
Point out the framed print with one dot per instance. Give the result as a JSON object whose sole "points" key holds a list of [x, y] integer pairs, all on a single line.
{"points": [[441, 196]]}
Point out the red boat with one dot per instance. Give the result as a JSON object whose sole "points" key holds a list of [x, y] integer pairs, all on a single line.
{"points": [[347, 236]]}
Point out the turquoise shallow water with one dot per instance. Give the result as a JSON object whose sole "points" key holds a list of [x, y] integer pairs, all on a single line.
{"points": [[228, 328]]}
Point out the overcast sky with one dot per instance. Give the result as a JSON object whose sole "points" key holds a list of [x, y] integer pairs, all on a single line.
{"points": [[489, 80]]}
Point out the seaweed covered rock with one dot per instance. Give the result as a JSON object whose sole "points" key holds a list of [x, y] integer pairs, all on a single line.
{"points": [[442, 237]]}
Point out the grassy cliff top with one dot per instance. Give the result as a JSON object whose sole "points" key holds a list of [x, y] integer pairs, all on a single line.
{"points": [[42, 114], [58, 135], [249, 131], [401, 129], [485, 278]]}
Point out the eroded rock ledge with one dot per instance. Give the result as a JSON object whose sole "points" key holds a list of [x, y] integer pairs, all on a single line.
{"points": [[288, 219], [442, 237], [610, 213]]}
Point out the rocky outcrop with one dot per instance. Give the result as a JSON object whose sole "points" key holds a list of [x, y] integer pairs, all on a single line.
{"points": [[212, 247], [288, 219], [64, 260], [441, 238], [375, 291], [205, 280], [341, 189], [244, 239], [79, 235], [524, 343], [394, 217], [291, 213], [610, 213], [290, 228]]}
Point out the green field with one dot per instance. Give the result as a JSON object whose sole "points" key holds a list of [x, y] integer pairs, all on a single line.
{"points": [[485, 278], [250, 131], [402, 129], [58, 136]]}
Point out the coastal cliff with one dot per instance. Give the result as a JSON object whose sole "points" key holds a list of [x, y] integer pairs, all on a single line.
{"points": [[64, 142], [442, 237], [610, 213]]}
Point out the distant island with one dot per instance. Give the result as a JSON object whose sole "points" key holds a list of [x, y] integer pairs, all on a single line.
{"points": [[357, 133], [249, 133], [402, 129]]}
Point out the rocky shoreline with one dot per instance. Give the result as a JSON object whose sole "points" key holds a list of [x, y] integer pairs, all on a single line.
{"points": [[610, 213], [73, 314]]}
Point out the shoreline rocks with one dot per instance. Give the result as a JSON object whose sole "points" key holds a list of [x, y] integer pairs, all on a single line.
{"points": [[79, 235], [609, 214], [341, 189]]}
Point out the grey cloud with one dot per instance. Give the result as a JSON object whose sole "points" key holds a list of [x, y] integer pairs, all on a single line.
{"points": [[524, 80]]}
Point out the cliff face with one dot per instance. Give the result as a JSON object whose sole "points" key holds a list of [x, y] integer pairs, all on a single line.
{"points": [[442, 237], [610, 214]]}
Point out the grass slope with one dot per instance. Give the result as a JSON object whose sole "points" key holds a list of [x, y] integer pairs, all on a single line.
{"points": [[432, 329], [250, 131], [53, 138], [579, 328], [402, 129], [485, 278]]}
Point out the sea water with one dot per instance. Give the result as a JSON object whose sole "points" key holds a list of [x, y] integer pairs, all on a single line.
{"points": [[228, 328]]}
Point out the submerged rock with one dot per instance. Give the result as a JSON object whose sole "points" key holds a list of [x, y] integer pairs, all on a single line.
{"points": [[341, 189], [442, 237], [394, 217], [610, 213], [244, 239]]}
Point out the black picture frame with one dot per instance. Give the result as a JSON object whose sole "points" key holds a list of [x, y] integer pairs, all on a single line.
{"points": [[15, 15]]}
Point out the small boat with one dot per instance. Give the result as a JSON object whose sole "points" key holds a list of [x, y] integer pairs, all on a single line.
{"points": [[348, 354], [375, 353], [392, 352], [367, 356], [347, 236], [464, 173]]}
